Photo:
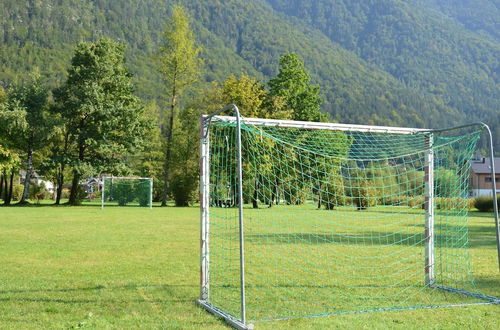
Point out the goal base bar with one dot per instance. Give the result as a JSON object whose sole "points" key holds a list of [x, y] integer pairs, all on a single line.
{"points": [[491, 299], [228, 318]]}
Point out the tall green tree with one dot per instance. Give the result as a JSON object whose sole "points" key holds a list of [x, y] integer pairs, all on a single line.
{"points": [[179, 64], [102, 115], [9, 157], [30, 126], [293, 85]]}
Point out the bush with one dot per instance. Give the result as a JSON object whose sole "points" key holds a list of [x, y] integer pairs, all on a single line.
{"points": [[485, 203], [333, 194], [142, 192], [364, 196], [417, 202], [17, 192], [38, 192], [123, 192], [81, 195], [183, 189], [449, 203], [65, 193]]}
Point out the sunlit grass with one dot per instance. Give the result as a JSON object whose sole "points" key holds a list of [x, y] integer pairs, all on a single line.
{"points": [[130, 267]]}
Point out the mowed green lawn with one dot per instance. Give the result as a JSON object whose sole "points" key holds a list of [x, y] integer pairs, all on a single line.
{"points": [[130, 267]]}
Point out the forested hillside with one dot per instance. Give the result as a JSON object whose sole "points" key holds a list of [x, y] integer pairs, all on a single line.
{"points": [[425, 63]]}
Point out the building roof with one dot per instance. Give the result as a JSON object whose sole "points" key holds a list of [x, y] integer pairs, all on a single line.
{"points": [[482, 165]]}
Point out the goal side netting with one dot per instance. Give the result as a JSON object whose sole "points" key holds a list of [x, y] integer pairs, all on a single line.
{"points": [[127, 191], [334, 219]]}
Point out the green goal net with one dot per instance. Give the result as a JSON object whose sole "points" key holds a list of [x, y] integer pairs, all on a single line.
{"points": [[335, 219], [127, 191]]}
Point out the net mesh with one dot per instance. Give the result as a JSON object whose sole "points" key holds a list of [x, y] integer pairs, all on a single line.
{"points": [[127, 191], [335, 221]]}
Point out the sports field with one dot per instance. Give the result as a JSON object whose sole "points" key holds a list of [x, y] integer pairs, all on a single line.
{"points": [[130, 267]]}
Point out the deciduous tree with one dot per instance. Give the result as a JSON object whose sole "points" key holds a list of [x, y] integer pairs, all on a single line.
{"points": [[101, 112], [179, 64]]}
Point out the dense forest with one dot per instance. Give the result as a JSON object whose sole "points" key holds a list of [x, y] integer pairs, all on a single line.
{"points": [[425, 63]]}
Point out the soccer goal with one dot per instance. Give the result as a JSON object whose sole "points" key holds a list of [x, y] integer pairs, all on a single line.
{"points": [[123, 191], [302, 219]]}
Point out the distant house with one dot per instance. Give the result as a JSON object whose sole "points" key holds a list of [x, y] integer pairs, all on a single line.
{"points": [[481, 176], [37, 179]]}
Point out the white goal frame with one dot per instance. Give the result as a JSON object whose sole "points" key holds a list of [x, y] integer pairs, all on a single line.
{"points": [[150, 204], [240, 322]]}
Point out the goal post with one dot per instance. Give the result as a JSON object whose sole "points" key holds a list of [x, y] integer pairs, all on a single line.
{"points": [[123, 191], [303, 219]]}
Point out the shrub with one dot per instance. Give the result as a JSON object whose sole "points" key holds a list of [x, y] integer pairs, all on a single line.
{"points": [[333, 194], [142, 192], [65, 193], [449, 203], [17, 191], [364, 196], [417, 202], [485, 203], [38, 192], [81, 195], [183, 188], [123, 192]]}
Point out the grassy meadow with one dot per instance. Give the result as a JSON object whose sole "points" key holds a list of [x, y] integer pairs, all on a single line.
{"points": [[131, 267]]}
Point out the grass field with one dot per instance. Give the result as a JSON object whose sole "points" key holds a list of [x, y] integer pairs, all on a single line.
{"points": [[128, 267]]}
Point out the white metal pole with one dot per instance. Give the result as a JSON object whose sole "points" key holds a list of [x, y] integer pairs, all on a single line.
{"points": [[204, 209], [429, 212], [240, 207], [151, 193], [102, 192], [494, 191]]}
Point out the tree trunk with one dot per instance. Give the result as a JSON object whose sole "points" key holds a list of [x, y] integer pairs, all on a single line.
{"points": [[60, 177], [255, 204], [73, 196], [170, 130], [29, 171], [8, 197], [60, 181], [5, 188], [1, 186]]}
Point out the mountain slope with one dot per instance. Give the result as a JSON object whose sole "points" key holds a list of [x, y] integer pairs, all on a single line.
{"points": [[420, 47], [389, 62], [480, 16]]}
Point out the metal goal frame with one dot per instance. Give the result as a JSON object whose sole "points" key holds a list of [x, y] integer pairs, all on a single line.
{"points": [[240, 321]]}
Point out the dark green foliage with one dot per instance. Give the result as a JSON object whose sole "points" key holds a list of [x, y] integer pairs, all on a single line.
{"points": [[182, 188], [122, 192], [142, 191], [98, 106], [485, 204]]}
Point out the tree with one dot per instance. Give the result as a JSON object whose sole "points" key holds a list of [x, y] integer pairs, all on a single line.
{"points": [[102, 115], [27, 103], [293, 85], [179, 64], [9, 157]]}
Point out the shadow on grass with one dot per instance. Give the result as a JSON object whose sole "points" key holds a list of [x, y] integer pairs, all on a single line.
{"points": [[88, 204], [171, 290], [103, 287], [479, 237]]}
